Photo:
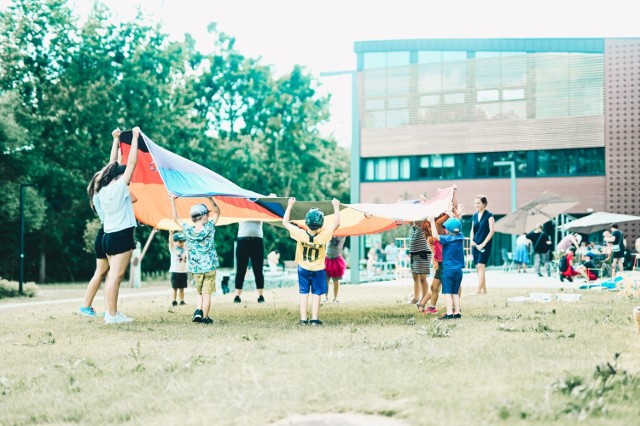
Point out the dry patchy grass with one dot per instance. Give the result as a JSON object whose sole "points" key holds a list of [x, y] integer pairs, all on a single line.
{"points": [[502, 363]]}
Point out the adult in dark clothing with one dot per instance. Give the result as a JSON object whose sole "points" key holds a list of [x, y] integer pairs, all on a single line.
{"points": [[250, 247], [617, 248], [541, 245], [482, 230]]}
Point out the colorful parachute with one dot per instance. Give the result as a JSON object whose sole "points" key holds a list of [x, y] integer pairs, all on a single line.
{"points": [[160, 171]]}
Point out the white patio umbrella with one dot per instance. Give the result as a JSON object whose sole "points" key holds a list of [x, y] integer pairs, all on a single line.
{"points": [[597, 222], [537, 211]]}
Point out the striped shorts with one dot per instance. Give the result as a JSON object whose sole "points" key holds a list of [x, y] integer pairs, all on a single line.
{"points": [[420, 262]]}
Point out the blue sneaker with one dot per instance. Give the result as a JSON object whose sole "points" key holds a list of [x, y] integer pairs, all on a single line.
{"points": [[87, 311]]}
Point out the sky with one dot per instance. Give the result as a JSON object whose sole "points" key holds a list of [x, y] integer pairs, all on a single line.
{"points": [[320, 34]]}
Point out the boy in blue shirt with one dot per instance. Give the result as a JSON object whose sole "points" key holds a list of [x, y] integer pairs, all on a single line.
{"points": [[452, 263], [203, 259]]}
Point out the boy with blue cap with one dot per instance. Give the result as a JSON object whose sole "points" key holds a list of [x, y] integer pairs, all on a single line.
{"points": [[452, 263], [203, 258], [178, 267]]}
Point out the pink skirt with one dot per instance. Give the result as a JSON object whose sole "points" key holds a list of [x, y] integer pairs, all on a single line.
{"points": [[334, 267]]}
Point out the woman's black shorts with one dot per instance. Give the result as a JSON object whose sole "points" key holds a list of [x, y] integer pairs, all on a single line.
{"points": [[119, 242], [98, 245]]}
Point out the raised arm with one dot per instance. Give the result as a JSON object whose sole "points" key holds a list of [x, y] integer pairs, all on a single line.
{"points": [[215, 210], [174, 209], [336, 214], [133, 156], [287, 214], [170, 240], [115, 146], [434, 229]]}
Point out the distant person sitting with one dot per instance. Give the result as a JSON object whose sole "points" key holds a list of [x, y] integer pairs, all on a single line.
{"points": [[588, 269]]}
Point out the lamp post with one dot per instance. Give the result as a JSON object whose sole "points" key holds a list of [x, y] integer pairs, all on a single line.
{"points": [[21, 277], [354, 254], [514, 201]]}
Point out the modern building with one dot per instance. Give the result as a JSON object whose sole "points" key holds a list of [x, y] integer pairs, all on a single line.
{"points": [[435, 112]]}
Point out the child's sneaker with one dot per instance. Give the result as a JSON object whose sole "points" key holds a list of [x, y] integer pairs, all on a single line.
{"points": [[237, 299], [118, 318], [174, 303], [447, 317], [431, 310], [303, 322], [182, 303], [458, 315], [315, 322], [87, 311], [197, 316], [207, 320], [261, 299]]}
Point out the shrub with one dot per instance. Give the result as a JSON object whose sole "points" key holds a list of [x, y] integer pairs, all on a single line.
{"points": [[10, 289]]}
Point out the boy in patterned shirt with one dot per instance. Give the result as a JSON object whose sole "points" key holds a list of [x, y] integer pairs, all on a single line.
{"points": [[310, 256], [203, 259]]}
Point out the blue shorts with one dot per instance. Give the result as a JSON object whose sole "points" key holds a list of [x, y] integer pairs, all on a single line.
{"points": [[314, 281], [451, 280]]}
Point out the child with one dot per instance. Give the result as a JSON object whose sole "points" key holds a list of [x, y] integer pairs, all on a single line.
{"points": [[203, 259], [588, 269], [334, 266], [178, 266], [452, 263], [310, 256], [420, 258]]}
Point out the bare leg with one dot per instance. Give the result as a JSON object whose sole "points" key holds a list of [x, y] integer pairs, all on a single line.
{"points": [[102, 267], [482, 285], [424, 288], [315, 306], [448, 298], [174, 292], [303, 306], [199, 302], [206, 304], [336, 288], [181, 294], [326, 295], [435, 291], [456, 304], [416, 288], [119, 264]]}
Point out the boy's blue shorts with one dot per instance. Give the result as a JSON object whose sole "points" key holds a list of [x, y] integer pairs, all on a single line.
{"points": [[314, 281], [451, 280]]}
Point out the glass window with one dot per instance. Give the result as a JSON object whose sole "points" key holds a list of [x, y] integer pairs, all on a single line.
{"points": [[370, 104], [487, 95], [375, 87], [368, 170], [487, 73], [429, 57], [454, 55], [429, 100], [381, 169], [512, 94], [430, 79], [516, 110], [375, 119], [488, 111], [375, 60], [454, 76], [393, 171], [514, 70], [405, 168], [397, 103], [454, 98], [487, 54], [397, 117], [395, 59]]}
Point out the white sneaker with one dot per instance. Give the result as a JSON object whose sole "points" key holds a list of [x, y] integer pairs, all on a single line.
{"points": [[118, 318]]}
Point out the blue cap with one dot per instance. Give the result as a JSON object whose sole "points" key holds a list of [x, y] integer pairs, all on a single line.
{"points": [[590, 254], [453, 225], [198, 210], [179, 236]]}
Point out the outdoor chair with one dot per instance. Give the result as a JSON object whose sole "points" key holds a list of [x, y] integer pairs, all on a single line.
{"points": [[507, 260]]}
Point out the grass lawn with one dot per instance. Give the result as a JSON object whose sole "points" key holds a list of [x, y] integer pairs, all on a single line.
{"points": [[502, 363]]}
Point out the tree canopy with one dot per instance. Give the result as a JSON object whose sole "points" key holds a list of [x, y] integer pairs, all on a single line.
{"points": [[65, 83]]}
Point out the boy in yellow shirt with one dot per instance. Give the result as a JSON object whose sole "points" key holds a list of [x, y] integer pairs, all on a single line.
{"points": [[310, 256]]}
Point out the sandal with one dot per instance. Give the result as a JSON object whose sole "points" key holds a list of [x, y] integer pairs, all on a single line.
{"points": [[420, 307]]}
